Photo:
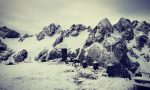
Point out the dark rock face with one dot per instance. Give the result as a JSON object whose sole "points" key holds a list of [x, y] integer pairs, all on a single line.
{"points": [[117, 70], [141, 41], [102, 30], [54, 54], [21, 56], [8, 33], [48, 31], [40, 36], [74, 33], [73, 54], [42, 56], [120, 49], [134, 23], [106, 25], [89, 41], [76, 29], [128, 34], [132, 53], [123, 25], [51, 29], [24, 37], [3, 46], [144, 27], [5, 55], [5, 52], [58, 41]]}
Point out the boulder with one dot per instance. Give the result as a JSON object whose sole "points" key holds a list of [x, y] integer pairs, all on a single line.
{"points": [[117, 70], [100, 54]]}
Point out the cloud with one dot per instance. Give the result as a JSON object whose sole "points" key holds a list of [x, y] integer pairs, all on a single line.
{"points": [[141, 7], [32, 15]]}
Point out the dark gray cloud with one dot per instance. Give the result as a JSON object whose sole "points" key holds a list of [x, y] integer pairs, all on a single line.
{"points": [[141, 7]]}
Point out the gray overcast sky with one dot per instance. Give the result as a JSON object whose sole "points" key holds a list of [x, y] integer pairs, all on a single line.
{"points": [[32, 15]]}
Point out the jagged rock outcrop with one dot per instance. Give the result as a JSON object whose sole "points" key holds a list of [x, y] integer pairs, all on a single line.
{"points": [[4, 56], [102, 30], [75, 29], [123, 25], [48, 31], [134, 24], [141, 41], [20, 56], [128, 34], [89, 41], [5, 52], [71, 54], [54, 54], [8, 33], [3, 46], [58, 41], [144, 27], [120, 50], [40, 36], [118, 70], [24, 37], [42, 56]]}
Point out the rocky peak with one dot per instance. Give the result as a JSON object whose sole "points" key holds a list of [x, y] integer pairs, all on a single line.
{"points": [[48, 31], [105, 24], [123, 24], [51, 29], [75, 29]]}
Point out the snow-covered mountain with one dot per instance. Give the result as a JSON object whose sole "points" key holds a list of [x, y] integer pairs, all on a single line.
{"points": [[125, 44]]}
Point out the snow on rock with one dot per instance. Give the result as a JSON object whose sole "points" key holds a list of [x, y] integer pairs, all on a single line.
{"points": [[32, 45]]}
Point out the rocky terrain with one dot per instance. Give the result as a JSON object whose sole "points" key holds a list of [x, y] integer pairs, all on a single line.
{"points": [[125, 44]]}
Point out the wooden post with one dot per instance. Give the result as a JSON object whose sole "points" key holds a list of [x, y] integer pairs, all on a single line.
{"points": [[64, 54]]}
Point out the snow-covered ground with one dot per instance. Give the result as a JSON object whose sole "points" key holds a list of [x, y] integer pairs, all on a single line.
{"points": [[56, 76]]}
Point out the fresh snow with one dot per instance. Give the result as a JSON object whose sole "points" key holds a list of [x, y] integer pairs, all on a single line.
{"points": [[56, 76], [31, 44], [75, 42]]}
